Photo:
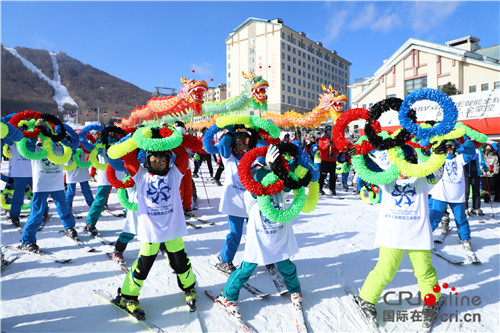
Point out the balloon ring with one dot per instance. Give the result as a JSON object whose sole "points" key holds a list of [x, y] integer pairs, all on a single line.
{"points": [[23, 150], [10, 192], [52, 157], [115, 182], [93, 157], [88, 146], [338, 132], [124, 201], [6, 151], [157, 139], [28, 114], [126, 145]]}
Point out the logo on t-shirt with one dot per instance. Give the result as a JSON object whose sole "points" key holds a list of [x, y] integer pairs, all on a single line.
{"points": [[403, 194], [451, 169], [158, 190]]}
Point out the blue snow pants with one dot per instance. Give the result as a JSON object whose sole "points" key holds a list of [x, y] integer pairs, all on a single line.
{"points": [[18, 196], [233, 238], [437, 208], [87, 193], [38, 206]]}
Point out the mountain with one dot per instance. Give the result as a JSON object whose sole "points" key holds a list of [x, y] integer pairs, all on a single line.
{"points": [[30, 82]]}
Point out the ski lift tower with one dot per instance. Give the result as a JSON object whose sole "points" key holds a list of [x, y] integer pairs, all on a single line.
{"points": [[164, 92]]}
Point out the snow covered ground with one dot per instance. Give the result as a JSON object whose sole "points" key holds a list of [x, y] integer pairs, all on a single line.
{"points": [[336, 249]]}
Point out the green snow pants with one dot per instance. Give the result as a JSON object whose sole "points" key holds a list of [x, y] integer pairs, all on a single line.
{"points": [[179, 262], [387, 266]]}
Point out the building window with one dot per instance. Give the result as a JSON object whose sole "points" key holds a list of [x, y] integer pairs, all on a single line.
{"points": [[293, 50], [228, 65], [288, 48], [283, 87], [299, 82], [288, 88], [496, 85], [294, 91], [472, 89], [288, 67], [251, 51], [283, 76], [283, 65], [294, 81], [289, 100], [484, 86], [283, 55], [300, 92], [299, 72], [294, 60], [252, 60], [308, 95], [283, 98], [299, 62], [294, 69], [415, 84], [288, 58], [282, 45], [228, 74], [288, 78]]}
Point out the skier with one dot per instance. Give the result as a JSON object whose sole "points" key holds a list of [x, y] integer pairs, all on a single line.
{"points": [[472, 173], [232, 146], [328, 166], [267, 242], [103, 186], [161, 220], [491, 174], [403, 225], [78, 175], [203, 157], [450, 190], [48, 179]]}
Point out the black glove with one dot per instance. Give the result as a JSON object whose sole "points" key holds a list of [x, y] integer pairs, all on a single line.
{"points": [[440, 149], [11, 180]]}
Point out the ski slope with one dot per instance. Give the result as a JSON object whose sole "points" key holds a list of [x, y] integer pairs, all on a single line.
{"points": [[336, 249]]}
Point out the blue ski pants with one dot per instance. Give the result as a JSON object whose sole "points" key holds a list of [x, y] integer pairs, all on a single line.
{"points": [[437, 208], [233, 238], [241, 275], [98, 205], [38, 205], [87, 193], [18, 196]]}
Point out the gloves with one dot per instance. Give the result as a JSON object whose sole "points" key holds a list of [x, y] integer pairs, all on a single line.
{"points": [[440, 149], [490, 169], [11, 180], [272, 154]]}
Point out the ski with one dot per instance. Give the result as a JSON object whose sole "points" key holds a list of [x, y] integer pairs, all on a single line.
{"points": [[98, 237], [278, 281], [122, 265], [194, 226], [194, 322], [248, 287], [447, 258], [372, 323], [106, 297], [44, 255], [202, 221], [122, 214], [6, 262], [300, 320], [79, 243], [243, 324]]}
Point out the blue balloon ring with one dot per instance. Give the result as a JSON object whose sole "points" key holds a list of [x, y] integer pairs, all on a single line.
{"points": [[450, 113]]}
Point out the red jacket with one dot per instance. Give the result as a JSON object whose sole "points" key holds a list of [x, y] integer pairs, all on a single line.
{"points": [[203, 151], [327, 153]]}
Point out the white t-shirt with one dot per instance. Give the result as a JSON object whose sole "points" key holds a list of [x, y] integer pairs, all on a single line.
{"points": [[268, 242], [451, 188], [131, 221], [159, 206], [101, 179], [78, 175], [47, 176], [382, 160], [18, 165], [404, 221], [232, 202]]}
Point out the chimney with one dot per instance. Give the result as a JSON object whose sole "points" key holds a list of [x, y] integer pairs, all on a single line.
{"points": [[468, 43]]}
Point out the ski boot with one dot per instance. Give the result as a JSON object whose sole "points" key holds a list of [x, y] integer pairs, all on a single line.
{"points": [[478, 212], [190, 296], [15, 222], [226, 267], [91, 229], [445, 225], [368, 310], [466, 244], [231, 306], [297, 300], [130, 304], [429, 314], [31, 247], [188, 213], [71, 233], [118, 257]]}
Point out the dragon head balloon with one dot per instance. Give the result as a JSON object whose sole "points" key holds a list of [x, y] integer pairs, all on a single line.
{"points": [[333, 101], [256, 88], [193, 91]]}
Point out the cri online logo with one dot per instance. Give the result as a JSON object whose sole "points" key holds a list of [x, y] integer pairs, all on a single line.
{"points": [[430, 299]]}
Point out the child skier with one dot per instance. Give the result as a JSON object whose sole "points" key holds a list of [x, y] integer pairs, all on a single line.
{"points": [[75, 176], [403, 225], [232, 147], [161, 220], [267, 242], [450, 190]]}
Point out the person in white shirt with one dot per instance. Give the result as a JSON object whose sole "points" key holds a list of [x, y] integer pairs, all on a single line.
{"points": [[450, 190], [160, 220], [20, 173], [267, 242], [403, 226], [75, 176], [48, 179]]}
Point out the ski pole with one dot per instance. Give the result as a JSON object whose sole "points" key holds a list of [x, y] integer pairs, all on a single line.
{"points": [[489, 194], [203, 181]]}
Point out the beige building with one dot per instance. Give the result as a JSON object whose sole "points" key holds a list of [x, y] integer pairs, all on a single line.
{"points": [[294, 66], [418, 64], [216, 94]]}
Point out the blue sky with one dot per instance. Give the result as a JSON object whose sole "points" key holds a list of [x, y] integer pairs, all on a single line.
{"points": [[155, 43]]}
